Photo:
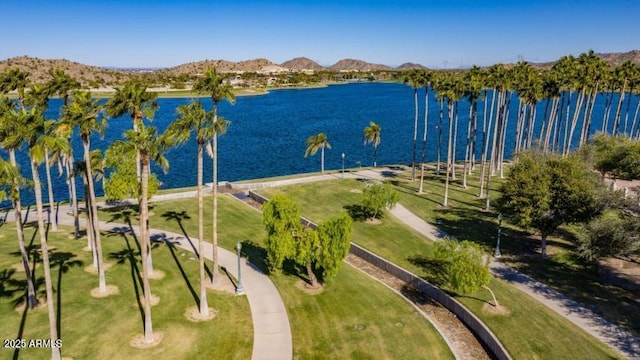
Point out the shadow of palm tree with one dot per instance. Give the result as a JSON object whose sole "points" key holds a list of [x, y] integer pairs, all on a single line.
{"points": [[179, 217], [172, 249], [130, 256], [65, 261]]}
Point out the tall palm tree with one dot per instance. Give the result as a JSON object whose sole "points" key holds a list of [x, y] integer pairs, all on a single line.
{"points": [[193, 117], [85, 113], [218, 89], [426, 82], [415, 79], [315, 142], [32, 127], [15, 79], [371, 135], [134, 99], [10, 139], [151, 147], [63, 85]]}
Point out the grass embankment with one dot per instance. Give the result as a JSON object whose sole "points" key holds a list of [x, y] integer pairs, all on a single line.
{"points": [[337, 323], [528, 331], [93, 328]]}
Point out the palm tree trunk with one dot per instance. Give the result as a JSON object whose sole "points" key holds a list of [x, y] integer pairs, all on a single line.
{"points": [[455, 141], [467, 152], [145, 242], [53, 325], [73, 195], [492, 156], [424, 138], [32, 300], [635, 120], [95, 224], [626, 112], [574, 121], [204, 305], [440, 138], [616, 121], [445, 202], [415, 135], [322, 159], [214, 269], [89, 228], [486, 127], [53, 218]]}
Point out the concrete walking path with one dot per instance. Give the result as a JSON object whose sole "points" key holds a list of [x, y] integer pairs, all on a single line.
{"points": [[271, 331]]}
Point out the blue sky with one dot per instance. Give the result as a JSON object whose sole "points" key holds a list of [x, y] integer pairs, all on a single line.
{"points": [[445, 33]]}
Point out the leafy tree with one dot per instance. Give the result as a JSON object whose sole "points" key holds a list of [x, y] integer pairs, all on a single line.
{"points": [[377, 197], [335, 242], [308, 248], [281, 218], [371, 135], [546, 191], [613, 234], [618, 156], [315, 142], [464, 265], [122, 182]]}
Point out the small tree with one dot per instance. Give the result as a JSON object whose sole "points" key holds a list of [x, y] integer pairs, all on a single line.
{"points": [[335, 241], [281, 219], [377, 197], [546, 191], [465, 267], [307, 246]]}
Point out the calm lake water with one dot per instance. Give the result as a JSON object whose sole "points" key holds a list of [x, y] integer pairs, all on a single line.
{"points": [[268, 132]]}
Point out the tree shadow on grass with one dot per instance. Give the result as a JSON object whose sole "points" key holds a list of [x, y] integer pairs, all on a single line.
{"points": [[256, 254], [128, 255], [434, 270], [65, 261], [359, 212], [171, 244]]}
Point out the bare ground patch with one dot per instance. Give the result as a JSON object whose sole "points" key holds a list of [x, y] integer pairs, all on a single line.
{"points": [[110, 290]]}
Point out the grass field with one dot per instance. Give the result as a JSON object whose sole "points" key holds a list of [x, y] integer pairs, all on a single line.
{"points": [[337, 323], [94, 328], [529, 331]]}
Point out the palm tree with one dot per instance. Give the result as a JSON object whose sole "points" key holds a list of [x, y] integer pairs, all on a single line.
{"points": [[15, 79], [134, 99], [62, 85], [85, 113], [315, 142], [151, 147], [218, 89], [193, 117], [32, 127], [415, 79], [10, 139], [426, 82], [371, 135]]}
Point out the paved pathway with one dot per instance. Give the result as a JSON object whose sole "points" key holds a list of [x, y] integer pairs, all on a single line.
{"points": [[271, 331]]}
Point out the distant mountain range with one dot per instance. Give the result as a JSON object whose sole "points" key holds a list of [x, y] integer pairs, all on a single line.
{"points": [[87, 74]]}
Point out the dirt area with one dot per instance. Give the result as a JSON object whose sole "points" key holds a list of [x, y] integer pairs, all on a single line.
{"points": [[463, 343]]}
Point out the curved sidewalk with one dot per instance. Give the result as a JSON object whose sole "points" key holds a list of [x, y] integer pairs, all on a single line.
{"points": [[271, 331], [601, 329]]}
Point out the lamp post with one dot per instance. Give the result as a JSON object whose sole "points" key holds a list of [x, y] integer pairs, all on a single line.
{"points": [[239, 288], [343, 165], [497, 252]]}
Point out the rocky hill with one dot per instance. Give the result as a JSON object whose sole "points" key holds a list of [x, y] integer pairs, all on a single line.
{"points": [[200, 67], [86, 74], [615, 59], [409, 66], [353, 64], [302, 63]]}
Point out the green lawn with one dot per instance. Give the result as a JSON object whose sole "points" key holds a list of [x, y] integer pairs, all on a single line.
{"points": [[102, 328], [337, 323], [529, 331]]}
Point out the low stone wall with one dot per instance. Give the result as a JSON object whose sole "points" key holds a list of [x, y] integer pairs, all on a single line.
{"points": [[468, 318]]}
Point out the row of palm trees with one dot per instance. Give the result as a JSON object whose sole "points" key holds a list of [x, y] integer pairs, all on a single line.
{"points": [[568, 90], [24, 122]]}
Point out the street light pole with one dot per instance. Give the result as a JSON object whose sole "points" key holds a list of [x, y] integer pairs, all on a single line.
{"points": [[343, 165], [497, 252], [239, 288]]}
